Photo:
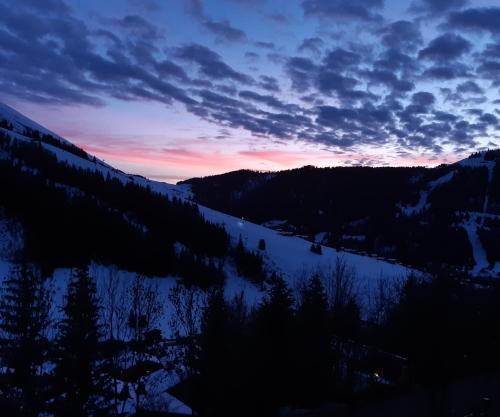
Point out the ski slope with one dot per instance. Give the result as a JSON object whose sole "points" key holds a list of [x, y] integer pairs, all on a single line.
{"points": [[291, 256], [424, 195]]}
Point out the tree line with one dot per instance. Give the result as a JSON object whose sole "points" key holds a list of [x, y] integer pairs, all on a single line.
{"points": [[366, 203], [71, 216]]}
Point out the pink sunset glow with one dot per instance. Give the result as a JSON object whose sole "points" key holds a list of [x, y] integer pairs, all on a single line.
{"points": [[143, 140]]}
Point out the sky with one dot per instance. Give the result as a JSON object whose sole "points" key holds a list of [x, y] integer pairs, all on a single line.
{"points": [[173, 89]]}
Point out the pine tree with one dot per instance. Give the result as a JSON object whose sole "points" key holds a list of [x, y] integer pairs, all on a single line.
{"points": [[80, 383], [313, 344], [24, 319], [262, 244], [213, 355], [275, 322]]}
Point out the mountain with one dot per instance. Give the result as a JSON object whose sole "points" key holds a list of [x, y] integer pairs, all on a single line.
{"points": [[64, 207], [420, 216], [152, 250]]}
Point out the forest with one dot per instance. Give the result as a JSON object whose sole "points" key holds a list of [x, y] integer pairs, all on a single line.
{"points": [[104, 353], [363, 208]]}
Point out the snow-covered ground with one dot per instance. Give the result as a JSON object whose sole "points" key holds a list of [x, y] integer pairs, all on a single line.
{"points": [[424, 195], [477, 219], [291, 255], [478, 252]]}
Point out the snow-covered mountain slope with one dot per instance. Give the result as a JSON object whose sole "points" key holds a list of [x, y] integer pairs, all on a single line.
{"points": [[20, 123], [291, 255], [287, 255]]}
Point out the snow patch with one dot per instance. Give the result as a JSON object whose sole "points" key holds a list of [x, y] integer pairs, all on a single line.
{"points": [[424, 195]]}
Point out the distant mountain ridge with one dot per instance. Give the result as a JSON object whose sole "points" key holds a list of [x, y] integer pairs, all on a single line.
{"points": [[421, 216]]}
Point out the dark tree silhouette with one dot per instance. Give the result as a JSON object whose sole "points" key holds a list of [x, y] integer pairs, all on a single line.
{"points": [[24, 320]]}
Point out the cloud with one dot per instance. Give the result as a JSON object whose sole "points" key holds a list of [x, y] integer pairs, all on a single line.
{"points": [[489, 119], [446, 72], [265, 45], [222, 29], [301, 72], [490, 70], [279, 18], [138, 26], [269, 83], [478, 19], [446, 47], [313, 45], [344, 97], [436, 6], [225, 30], [340, 9], [389, 79], [340, 59], [268, 100], [469, 87], [210, 63], [194, 7], [402, 35], [423, 98]]}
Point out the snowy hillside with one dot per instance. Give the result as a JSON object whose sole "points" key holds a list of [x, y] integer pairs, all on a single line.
{"points": [[21, 123], [289, 256], [448, 215]]}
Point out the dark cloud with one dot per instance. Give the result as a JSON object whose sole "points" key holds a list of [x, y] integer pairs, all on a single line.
{"points": [[489, 119], [341, 59], [390, 80], [465, 94], [210, 63], [436, 6], [341, 9], [402, 35], [224, 30], [313, 45], [68, 68], [446, 47], [330, 82], [269, 83], [268, 100], [447, 72], [138, 26], [394, 60], [265, 45], [469, 87], [301, 72], [490, 70], [252, 56], [279, 18], [492, 51], [423, 98], [356, 95], [237, 114], [355, 125], [479, 19], [166, 68], [194, 7]]}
